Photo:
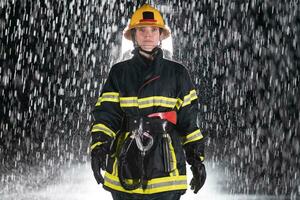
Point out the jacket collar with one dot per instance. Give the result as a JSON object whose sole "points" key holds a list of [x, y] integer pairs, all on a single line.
{"points": [[148, 73], [155, 66]]}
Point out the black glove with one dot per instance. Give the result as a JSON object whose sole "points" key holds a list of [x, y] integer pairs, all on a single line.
{"points": [[98, 162], [199, 176]]}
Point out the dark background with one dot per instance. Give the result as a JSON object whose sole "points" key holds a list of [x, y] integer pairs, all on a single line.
{"points": [[243, 57]]}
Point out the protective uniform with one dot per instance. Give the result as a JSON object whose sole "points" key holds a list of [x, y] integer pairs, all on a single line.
{"points": [[145, 149]]}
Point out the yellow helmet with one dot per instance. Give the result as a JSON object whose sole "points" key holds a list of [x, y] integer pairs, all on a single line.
{"points": [[146, 16]]}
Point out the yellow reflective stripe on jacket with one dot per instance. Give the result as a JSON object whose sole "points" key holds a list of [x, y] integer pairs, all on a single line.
{"points": [[157, 101], [93, 146], [115, 168], [178, 103], [104, 129], [147, 102], [109, 97], [129, 102], [173, 161], [194, 136], [153, 186], [187, 99]]}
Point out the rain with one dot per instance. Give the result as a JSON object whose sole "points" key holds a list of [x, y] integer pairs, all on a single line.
{"points": [[243, 56]]}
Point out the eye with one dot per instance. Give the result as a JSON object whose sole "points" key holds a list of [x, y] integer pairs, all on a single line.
{"points": [[154, 29], [142, 29]]}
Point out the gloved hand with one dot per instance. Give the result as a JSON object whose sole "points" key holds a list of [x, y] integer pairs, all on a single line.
{"points": [[98, 162], [199, 176]]}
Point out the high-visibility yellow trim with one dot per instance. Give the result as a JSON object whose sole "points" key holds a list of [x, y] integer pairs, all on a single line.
{"points": [[108, 97], [202, 158], [104, 129], [187, 99], [147, 102], [157, 101], [153, 186], [129, 98], [194, 136], [128, 102], [95, 145], [115, 169], [179, 103], [174, 170]]}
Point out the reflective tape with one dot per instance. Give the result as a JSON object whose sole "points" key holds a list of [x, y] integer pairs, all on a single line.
{"points": [[115, 168], [93, 146], [108, 97], [173, 160], [189, 98], [147, 102], [153, 186], [194, 136], [202, 158], [178, 103], [129, 102], [104, 129], [157, 101]]}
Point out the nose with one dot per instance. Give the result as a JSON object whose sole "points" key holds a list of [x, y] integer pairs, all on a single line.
{"points": [[147, 33]]}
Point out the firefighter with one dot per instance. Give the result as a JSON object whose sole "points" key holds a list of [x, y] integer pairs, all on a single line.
{"points": [[145, 125]]}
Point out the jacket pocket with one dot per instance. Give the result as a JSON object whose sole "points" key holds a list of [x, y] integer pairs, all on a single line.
{"points": [[154, 160]]}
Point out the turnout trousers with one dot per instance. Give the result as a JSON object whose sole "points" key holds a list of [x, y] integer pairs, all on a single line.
{"points": [[173, 195]]}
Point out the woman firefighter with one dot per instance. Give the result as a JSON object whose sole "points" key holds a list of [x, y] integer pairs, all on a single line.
{"points": [[144, 127]]}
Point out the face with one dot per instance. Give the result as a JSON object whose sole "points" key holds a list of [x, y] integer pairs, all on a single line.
{"points": [[147, 37]]}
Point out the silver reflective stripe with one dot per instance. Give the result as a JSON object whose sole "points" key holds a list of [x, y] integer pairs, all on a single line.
{"points": [[156, 102], [163, 184], [108, 97], [196, 135], [189, 98], [151, 186], [128, 102], [112, 181], [148, 102]]}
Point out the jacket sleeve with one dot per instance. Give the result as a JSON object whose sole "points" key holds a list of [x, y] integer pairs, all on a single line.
{"points": [[192, 138], [107, 114]]}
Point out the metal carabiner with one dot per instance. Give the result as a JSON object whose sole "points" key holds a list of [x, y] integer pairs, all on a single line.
{"points": [[139, 136]]}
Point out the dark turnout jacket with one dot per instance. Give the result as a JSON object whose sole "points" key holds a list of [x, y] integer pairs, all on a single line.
{"points": [[138, 88]]}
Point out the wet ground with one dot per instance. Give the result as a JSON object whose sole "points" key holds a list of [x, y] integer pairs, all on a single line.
{"points": [[77, 183]]}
